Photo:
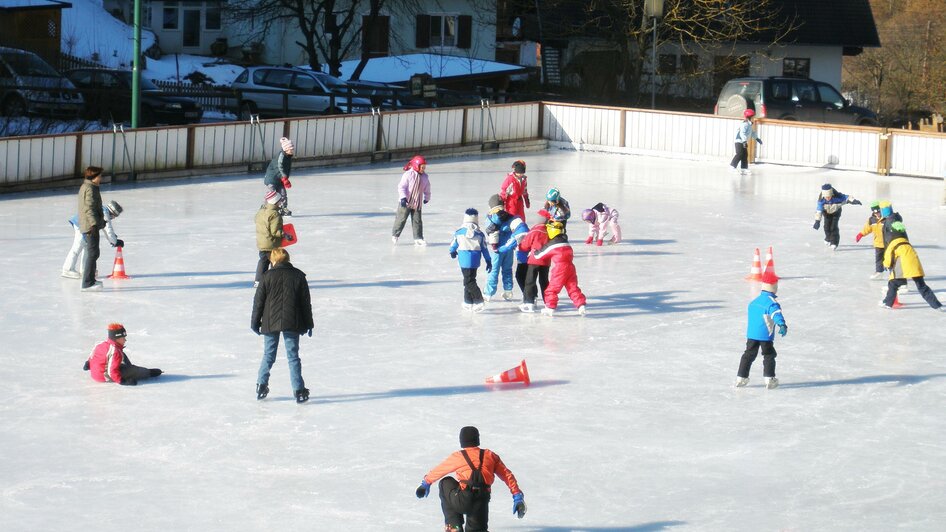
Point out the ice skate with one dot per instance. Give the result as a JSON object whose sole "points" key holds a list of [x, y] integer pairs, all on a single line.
{"points": [[70, 274], [155, 372], [302, 395], [479, 307], [834, 247], [827, 243], [734, 170], [487, 298], [548, 311], [884, 305], [393, 239], [419, 242], [582, 310], [745, 171], [507, 296], [741, 381], [527, 307], [468, 306], [262, 391], [93, 288], [599, 243], [877, 275], [771, 383]]}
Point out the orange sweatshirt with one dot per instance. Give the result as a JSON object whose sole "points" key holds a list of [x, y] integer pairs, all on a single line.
{"points": [[493, 466]]}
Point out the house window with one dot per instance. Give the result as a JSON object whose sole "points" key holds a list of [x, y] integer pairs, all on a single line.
{"points": [[796, 67], [443, 31], [212, 17], [690, 63], [667, 64], [171, 16]]}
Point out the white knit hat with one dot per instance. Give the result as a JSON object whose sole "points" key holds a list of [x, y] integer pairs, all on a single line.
{"points": [[286, 144], [273, 197]]}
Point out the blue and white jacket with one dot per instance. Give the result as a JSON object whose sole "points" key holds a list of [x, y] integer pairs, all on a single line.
{"points": [[508, 233], [764, 314], [109, 230], [831, 205], [745, 133], [469, 243]]}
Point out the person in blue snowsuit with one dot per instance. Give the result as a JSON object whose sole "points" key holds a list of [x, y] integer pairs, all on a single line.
{"points": [[765, 314], [829, 206], [504, 233], [467, 246]]}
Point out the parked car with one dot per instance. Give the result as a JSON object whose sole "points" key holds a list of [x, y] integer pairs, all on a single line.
{"points": [[799, 99], [280, 91], [28, 85], [107, 95]]}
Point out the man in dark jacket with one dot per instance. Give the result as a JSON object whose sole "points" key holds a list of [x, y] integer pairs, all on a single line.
{"points": [[282, 304]]}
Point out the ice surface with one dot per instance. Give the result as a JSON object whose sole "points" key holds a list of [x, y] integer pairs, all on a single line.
{"points": [[631, 423]]}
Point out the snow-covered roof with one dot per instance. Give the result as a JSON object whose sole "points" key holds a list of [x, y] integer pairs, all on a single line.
{"points": [[8, 4], [398, 69]]}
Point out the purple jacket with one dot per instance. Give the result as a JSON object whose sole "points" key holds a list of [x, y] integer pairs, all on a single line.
{"points": [[415, 188]]}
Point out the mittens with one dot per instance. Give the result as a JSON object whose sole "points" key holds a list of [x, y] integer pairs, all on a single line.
{"points": [[285, 182]]}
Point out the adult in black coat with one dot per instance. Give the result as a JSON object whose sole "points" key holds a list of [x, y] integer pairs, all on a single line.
{"points": [[282, 305]]}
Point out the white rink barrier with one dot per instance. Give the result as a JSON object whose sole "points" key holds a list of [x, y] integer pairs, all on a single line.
{"points": [[205, 148]]}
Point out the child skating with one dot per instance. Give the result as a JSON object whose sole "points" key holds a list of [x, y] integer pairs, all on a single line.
{"points": [[875, 227], [269, 233], [904, 264], [765, 315], [469, 494], [744, 135], [828, 207], [75, 256], [277, 174], [562, 273], [604, 221], [515, 191], [469, 243], [413, 193], [537, 270], [504, 233]]}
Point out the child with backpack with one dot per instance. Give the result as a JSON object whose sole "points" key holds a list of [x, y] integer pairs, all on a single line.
{"points": [[469, 494]]}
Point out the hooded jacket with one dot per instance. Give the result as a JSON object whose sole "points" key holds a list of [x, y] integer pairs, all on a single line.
{"points": [[469, 243], [269, 233], [902, 260]]}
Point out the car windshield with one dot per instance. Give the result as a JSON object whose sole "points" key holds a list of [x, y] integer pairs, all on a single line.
{"points": [[29, 65], [146, 84]]}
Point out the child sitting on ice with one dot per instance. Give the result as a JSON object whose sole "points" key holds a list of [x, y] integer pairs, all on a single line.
{"points": [[467, 246], [108, 362], [603, 220]]}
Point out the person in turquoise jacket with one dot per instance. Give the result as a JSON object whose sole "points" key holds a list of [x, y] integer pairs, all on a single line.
{"points": [[765, 314], [467, 246], [504, 233]]}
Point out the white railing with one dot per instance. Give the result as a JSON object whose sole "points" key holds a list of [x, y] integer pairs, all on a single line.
{"points": [[820, 145], [917, 154]]}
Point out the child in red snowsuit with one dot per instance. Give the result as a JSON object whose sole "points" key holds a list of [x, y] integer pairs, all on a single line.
{"points": [[108, 362], [562, 272], [537, 270], [514, 191]]}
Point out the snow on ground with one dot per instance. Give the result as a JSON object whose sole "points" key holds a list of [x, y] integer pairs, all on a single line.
{"points": [[631, 423]]}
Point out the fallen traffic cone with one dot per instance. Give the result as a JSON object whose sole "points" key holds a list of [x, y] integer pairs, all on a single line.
{"points": [[519, 373], [118, 270], [755, 274]]}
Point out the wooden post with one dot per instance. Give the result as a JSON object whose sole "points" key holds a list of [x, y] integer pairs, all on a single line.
{"points": [[622, 134], [884, 147]]}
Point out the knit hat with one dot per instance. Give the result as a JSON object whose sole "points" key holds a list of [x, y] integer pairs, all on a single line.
{"points": [[898, 227], [286, 144], [273, 197], [471, 216], [469, 437], [827, 190], [116, 331], [495, 204], [770, 281], [519, 167], [886, 209]]}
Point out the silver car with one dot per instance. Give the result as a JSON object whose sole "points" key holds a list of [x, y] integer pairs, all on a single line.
{"points": [[28, 85], [272, 91]]}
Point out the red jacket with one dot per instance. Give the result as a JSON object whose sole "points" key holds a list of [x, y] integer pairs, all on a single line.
{"points": [[493, 466], [534, 240], [105, 360], [515, 195]]}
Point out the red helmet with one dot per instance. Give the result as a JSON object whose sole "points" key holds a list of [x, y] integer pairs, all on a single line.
{"points": [[748, 113], [415, 163]]}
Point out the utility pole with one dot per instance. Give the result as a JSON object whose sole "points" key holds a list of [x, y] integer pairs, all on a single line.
{"points": [[136, 68]]}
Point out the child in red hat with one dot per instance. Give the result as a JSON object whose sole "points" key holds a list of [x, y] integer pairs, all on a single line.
{"points": [[765, 314], [109, 363]]}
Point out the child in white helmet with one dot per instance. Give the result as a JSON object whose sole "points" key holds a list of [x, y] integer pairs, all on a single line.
{"points": [[111, 210]]}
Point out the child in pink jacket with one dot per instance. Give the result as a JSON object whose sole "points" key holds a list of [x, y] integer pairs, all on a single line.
{"points": [[603, 220]]}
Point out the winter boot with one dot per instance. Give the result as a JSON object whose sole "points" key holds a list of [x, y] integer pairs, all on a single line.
{"points": [[302, 395], [741, 381], [262, 391], [155, 372], [771, 383]]}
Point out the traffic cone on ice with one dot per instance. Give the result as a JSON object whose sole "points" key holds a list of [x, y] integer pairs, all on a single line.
{"points": [[755, 274], [118, 270], [769, 262], [519, 373]]}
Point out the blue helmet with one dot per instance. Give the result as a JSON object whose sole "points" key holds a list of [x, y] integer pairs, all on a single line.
{"points": [[553, 194]]}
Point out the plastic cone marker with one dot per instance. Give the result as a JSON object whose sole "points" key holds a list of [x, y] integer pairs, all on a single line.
{"points": [[755, 274], [519, 373], [769, 258], [118, 270]]}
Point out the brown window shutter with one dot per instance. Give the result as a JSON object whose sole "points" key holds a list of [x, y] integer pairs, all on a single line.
{"points": [[422, 35], [464, 31]]}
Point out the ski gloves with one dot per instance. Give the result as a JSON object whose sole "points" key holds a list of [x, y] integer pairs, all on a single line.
{"points": [[858, 237], [119, 243], [285, 182], [518, 505], [453, 254], [856, 202], [423, 490], [782, 330], [817, 225]]}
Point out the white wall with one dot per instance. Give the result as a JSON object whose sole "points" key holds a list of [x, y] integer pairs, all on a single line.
{"points": [[825, 62]]}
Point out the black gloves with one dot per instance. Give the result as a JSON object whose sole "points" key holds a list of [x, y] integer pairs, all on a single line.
{"points": [[423, 490], [856, 202], [310, 333], [255, 328], [119, 243], [817, 225], [85, 367], [403, 202], [425, 201], [453, 254]]}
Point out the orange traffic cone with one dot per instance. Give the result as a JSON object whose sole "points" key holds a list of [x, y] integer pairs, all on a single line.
{"points": [[118, 270], [519, 373], [769, 259], [755, 274]]}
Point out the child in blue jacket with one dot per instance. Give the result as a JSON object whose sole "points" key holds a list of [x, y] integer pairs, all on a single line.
{"points": [[467, 246], [765, 314], [504, 233], [829, 206]]}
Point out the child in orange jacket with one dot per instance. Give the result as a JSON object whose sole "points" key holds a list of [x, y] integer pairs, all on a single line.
{"points": [[469, 493], [875, 226]]}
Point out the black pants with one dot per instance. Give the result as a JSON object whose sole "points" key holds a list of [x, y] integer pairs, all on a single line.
{"points": [[921, 287], [752, 351], [879, 260], [521, 270], [456, 502], [262, 265], [471, 291], [829, 222], [91, 256], [535, 272], [742, 156], [133, 372]]}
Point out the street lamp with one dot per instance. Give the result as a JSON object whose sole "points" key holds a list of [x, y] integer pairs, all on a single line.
{"points": [[654, 9]]}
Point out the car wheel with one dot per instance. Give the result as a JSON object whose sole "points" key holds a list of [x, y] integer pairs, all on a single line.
{"points": [[736, 105], [147, 117], [246, 110], [14, 106]]}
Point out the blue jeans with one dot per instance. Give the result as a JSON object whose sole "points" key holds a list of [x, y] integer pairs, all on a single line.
{"points": [[270, 344]]}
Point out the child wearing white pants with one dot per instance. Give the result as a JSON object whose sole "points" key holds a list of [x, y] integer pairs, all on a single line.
{"points": [[74, 257]]}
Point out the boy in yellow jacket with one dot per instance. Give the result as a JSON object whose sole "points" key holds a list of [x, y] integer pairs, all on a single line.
{"points": [[875, 226], [903, 262]]}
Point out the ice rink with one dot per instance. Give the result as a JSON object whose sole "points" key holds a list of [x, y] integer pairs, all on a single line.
{"points": [[631, 422]]}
